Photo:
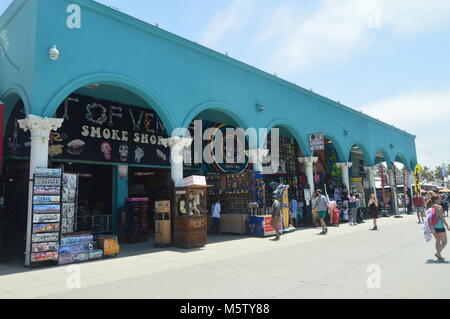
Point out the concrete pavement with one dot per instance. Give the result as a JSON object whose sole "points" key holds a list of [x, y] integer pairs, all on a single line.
{"points": [[301, 265]]}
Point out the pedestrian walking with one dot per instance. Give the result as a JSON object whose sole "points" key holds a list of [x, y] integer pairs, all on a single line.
{"points": [[216, 218], [322, 206], [359, 214], [373, 210], [445, 204], [353, 209], [276, 215], [419, 205], [436, 222]]}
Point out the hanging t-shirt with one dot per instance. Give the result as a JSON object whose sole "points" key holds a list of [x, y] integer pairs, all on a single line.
{"points": [[294, 208]]}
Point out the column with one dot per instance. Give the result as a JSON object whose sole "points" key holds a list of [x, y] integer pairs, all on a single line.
{"points": [[309, 169], [256, 158], [410, 181], [120, 192], [40, 128], [177, 145], [370, 171], [345, 176], [393, 190]]}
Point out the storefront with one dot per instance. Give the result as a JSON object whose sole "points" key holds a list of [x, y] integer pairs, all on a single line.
{"points": [[91, 108]]}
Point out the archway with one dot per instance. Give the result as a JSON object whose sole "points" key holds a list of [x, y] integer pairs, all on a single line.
{"points": [[384, 194], [14, 184], [360, 172], [327, 173]]}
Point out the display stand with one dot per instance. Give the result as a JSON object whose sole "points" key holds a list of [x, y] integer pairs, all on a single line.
{"points": [[235, 190], [190, 216], [133, 225], [260, 226], [162, 224], [46, 216], [69, 203]]}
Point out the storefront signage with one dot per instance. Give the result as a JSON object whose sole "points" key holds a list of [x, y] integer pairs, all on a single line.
{"points": [[98, 131], [316, 142], [234, 161]]}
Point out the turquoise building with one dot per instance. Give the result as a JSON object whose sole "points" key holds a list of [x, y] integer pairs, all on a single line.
{"points": [[54, 49]]}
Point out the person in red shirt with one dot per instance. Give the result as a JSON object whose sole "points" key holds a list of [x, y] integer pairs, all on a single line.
{"points": [[419, 205]]}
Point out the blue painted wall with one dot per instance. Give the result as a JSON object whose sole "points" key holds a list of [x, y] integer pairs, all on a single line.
{"points": [[176, 77]]}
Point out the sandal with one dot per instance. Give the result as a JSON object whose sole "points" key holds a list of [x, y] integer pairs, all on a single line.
{"points": [[439, 258]]}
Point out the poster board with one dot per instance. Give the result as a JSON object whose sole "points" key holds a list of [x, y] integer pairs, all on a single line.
{"points": [[46, 215], [316, 142], [69, 203]]}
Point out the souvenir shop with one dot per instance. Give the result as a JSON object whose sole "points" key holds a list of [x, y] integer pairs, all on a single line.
{"points": [[328, 178], [244, 193], [111, 157]]}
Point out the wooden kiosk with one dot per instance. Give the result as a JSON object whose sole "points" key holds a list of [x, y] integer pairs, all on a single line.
{"points": [[190, 214]]}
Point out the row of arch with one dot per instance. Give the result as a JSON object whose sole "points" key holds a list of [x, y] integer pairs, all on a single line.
{"points": [[372, 155]]}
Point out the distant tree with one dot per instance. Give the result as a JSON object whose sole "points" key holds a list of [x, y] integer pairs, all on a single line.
{"points": [[426, 175]]}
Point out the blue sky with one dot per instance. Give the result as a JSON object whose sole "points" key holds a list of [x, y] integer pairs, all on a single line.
{"points": [[388, 58]]}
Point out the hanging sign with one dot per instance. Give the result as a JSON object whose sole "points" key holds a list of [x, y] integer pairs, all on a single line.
{"points": [[417, 171], [233, 160], [316, 142]]}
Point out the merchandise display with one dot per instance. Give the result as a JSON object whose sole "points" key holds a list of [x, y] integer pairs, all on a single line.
{"points": [[260, 226], [69, 203], [45, 230], [78, 247], [133, 223], [190, 216], [235, 190], [162, 224]]}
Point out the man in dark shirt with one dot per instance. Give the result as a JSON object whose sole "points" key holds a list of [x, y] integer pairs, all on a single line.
{"points": [[276, 215]]}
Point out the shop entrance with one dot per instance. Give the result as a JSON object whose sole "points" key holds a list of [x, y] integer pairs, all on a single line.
{"points": [[94, 211], [13, 213], [151, 183]]}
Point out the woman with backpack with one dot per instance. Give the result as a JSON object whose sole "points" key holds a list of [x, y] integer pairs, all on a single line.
{"points": [[436, 222]]}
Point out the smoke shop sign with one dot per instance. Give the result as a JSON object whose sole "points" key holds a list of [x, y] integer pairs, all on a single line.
{"points": [[99, 130], [102, 131]]}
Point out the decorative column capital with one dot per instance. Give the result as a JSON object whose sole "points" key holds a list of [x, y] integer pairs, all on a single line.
{"points": [[346, 165], [177, 143], [308, 161], [40, 127]]}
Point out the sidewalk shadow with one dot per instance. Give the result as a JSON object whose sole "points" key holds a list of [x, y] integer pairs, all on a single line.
{"points": [[434, 261]]}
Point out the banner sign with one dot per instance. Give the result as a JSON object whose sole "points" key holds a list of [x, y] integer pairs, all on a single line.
{"points": [[231, 162], [100, 131], [417, 171], [316, 142]]}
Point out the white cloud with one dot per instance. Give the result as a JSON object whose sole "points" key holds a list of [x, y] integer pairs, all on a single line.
{"points": [[291, 37], [425, 114]]}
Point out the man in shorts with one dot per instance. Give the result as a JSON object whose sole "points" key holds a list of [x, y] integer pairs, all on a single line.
{"points": [[419, 205], [322, 205], [276, 215]]}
